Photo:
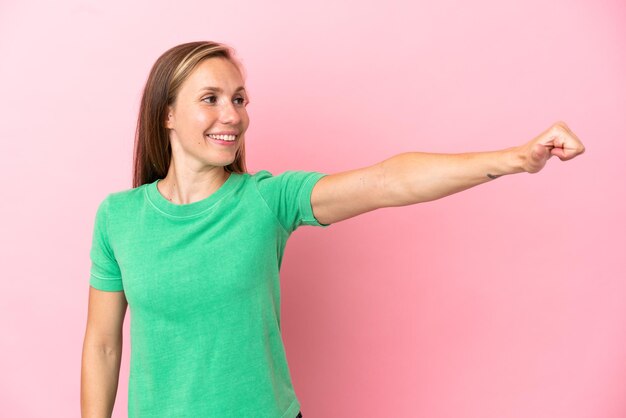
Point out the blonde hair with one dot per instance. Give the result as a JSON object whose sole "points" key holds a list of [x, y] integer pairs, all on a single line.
{"points": [[152, 152]]}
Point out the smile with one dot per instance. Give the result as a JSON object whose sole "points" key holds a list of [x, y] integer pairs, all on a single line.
{"points": [[223, 137]]}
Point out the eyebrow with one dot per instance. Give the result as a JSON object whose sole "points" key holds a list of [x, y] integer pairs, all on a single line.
{"points": [[208, 88]]}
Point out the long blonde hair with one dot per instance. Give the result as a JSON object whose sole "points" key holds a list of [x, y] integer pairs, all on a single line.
{"points": [[152, 153]]}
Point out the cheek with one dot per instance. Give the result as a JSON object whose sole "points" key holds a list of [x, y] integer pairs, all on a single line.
{"points": [[202, 118], [197, 115], [244, 118]]}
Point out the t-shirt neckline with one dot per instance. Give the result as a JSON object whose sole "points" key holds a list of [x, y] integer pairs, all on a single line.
{"points": [[190, 209]]}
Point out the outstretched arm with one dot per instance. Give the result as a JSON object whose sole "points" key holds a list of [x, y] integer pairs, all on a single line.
{"points": [[415, 177]]}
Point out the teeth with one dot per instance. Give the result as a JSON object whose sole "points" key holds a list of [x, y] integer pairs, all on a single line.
{"points": [[223, 137]]}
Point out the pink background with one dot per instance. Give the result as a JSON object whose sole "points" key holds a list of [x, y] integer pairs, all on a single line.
{"points": [[504, 301]]}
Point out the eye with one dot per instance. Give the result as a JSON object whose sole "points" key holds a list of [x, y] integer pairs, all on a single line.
{"points": [[210, 97], [242, 102]]}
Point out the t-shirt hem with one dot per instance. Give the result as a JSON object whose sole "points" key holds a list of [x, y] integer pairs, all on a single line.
{"points": [[305, 201], [107, 284]]}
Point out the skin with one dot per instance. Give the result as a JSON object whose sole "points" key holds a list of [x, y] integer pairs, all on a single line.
{"points": [[197, 170], [415, 177], [102, 353], [197, 165]]}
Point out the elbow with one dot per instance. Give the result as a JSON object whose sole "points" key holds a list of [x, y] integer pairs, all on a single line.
{"points": [[103, 344], [103, 349], [397, 188]]}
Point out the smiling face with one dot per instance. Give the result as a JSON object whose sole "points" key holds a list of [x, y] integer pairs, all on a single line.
{"points": [[208, 113]]}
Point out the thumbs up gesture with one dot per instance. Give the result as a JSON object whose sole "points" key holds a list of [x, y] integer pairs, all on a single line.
{"points": [[557, 140]]}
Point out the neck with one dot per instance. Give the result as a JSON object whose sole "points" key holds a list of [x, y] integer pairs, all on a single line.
{"points": [[187, 187]]}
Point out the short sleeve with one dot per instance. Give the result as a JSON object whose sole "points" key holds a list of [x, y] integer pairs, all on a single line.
{"points": [[289, 196], [105, 272]]}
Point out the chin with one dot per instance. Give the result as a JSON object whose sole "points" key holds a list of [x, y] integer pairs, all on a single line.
{"points": [[221, 163]]}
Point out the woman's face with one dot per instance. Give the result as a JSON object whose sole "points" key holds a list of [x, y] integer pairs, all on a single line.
{"points": [[211, 101]]}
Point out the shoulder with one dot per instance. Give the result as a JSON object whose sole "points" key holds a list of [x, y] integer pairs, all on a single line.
{"points": [[287, 185], [125, 198], [285, 178], [128, 193], [259, 175]]}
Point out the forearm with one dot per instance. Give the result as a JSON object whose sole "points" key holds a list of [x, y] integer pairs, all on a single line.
{"points": [[99, 379], [415, 177]]}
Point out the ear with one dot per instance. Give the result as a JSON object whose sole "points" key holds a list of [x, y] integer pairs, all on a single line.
{"points": [[169, 118]]}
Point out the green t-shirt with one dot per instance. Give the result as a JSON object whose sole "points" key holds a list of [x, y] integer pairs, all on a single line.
{"points": [[203, 290]]}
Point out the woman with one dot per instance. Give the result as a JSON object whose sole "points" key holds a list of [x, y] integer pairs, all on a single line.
{"points": [[195, 247]]}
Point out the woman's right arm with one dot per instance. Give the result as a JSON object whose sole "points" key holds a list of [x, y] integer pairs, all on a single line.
{"points": [[102, 353]]}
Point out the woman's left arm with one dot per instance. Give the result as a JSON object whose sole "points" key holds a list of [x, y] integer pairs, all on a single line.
{"points": [[415, 177]]}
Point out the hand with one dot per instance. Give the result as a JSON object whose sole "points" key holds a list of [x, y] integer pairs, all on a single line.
{"points": [[557, 140]]}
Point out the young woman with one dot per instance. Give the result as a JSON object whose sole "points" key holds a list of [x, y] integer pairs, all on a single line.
{"points": [[195, 247]]}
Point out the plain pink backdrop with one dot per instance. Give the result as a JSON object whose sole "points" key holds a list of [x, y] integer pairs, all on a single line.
{"points": [[503, 301]]}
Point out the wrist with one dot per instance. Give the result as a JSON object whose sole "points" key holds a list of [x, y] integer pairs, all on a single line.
{"points": [[514, 160]]}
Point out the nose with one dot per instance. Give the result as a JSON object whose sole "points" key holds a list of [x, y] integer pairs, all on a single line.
{"points": [[229, 114]]}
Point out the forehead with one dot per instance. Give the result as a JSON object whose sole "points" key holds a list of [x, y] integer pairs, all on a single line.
{"points": [[213, 72]]}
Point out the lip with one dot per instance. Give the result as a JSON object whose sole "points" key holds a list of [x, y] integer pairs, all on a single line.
{"points": [[224, 133]]}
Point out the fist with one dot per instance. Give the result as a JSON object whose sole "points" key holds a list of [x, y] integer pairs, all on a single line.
{"points": [[557, 140]]}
